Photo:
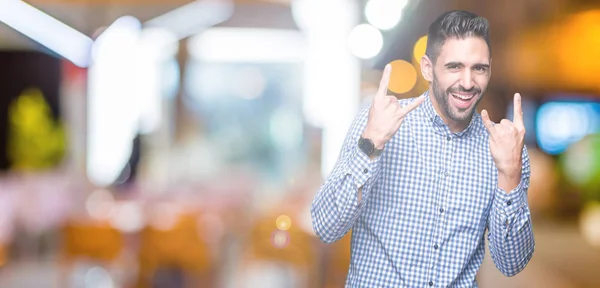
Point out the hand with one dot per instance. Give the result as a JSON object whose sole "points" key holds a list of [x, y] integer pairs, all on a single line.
{"points": [[507, 140], [386, 114]]}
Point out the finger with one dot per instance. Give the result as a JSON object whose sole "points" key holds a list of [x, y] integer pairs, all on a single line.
{"points": [[506, 124], [391, 101], [413, 105], [385, 81], [391, 98], [489, 125], [518, 111]]}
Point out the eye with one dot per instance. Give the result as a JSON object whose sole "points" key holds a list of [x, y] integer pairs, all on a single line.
{"points": [[481, 69], [453, 67]]}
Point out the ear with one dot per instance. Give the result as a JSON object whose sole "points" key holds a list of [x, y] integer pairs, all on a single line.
{"points": [[427, 68]]}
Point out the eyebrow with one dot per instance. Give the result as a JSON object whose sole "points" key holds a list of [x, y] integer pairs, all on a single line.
{"points": [[459, 64]]}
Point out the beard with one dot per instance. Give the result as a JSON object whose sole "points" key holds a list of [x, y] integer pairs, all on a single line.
{"points": [[454, 113]]}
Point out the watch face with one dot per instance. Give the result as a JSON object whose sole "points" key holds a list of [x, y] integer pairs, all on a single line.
{"points": [[365, 146]]}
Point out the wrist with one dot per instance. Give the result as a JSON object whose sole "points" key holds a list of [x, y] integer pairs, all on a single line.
{"points": [[509, 179], [378, 142], [512, 171]]}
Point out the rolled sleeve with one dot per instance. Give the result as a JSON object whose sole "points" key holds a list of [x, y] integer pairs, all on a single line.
{"points": [[507, 204]]}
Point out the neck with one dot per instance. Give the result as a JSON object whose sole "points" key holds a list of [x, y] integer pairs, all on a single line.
{"points": [[455, 126]]}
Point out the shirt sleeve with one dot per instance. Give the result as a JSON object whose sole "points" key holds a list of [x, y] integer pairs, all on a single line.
{"points": [[510, 230], [336, 207]]}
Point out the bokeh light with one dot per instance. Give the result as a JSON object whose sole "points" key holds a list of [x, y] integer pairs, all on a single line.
{"points": [[560, 124], [98, 277], [100, 204], [283, 222], [403, 77], [280, 239], [365, 41], [581, 163], [384, 14], [419, 49], [128, 217]]}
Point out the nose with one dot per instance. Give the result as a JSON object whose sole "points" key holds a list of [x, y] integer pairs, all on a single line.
{"points": [[466, 79]]}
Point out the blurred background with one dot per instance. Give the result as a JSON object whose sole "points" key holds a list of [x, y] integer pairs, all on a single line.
{"points": [[155, 143]]}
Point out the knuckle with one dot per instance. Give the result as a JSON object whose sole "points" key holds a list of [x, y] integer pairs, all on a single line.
{"points": [[522, 131]]}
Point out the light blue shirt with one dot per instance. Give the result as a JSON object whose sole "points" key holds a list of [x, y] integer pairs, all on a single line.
{"points": [[426, 203]]}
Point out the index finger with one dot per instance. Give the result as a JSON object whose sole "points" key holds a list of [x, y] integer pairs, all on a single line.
{"points": [[385, 81], [518, 111]]}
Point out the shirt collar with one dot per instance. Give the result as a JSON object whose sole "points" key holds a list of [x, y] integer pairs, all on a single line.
{"points": [[438, 123]]}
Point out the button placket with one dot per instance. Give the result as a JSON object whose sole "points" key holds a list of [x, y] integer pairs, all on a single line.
{"points": [[443, 188]]}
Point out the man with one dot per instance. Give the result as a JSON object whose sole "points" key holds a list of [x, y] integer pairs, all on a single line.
{"points": [[419, 189]]}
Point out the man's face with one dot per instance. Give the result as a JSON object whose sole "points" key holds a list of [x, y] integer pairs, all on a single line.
{"points": [[460, 76]]}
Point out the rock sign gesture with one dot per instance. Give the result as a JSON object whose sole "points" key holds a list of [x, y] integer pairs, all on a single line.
{"points": [[386, 114], [507, 140]]}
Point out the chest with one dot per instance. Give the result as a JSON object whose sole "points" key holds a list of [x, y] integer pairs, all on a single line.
{"points": [[426, 172]]}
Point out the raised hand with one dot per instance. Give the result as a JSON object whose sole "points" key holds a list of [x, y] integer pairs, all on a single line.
{"points": [[507, 140], [386, 114]]}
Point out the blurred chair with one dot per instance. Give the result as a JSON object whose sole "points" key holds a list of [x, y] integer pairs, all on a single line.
{"points": [[93, 241], [275, 257], [175, 252]]}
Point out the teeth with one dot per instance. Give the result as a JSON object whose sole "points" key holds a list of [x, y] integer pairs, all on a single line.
{"points": [[462, 96]]}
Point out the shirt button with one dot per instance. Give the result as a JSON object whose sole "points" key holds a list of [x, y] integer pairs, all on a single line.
{"points": [[366, 171], [446, 174], [441, 210], [430, 283], [448, 138], [435, 247], [509, 202]]}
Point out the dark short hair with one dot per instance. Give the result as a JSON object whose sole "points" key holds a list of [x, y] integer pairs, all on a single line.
{"points": [[456, 24]]}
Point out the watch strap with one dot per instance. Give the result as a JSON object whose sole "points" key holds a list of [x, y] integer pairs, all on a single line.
{"points": [[377, 152]]}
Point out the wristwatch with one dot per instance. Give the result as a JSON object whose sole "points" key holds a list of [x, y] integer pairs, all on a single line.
{"points": [[366, 146]]}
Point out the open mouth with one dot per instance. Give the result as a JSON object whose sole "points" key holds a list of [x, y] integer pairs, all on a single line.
{"points": [[463, 100]]}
